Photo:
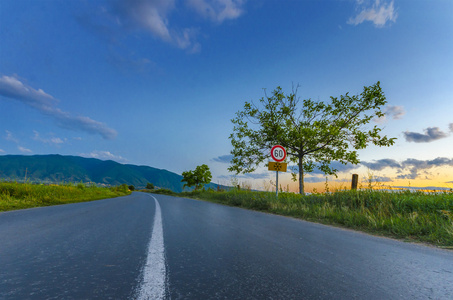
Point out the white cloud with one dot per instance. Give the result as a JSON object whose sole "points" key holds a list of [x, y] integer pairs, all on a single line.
{"points": [[379, 13], [226, 159], [154, 17], [2, 151], [56, 141], [51, 140], [410, 168], [104, 155], [217, 10], [431, 134], [13, 88], [150, 15], [10, 137], [24, 150], [396, 112], [65, 120]]}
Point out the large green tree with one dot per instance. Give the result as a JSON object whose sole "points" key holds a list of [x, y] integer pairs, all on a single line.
{"points": [[314, 133], [198, 177]]}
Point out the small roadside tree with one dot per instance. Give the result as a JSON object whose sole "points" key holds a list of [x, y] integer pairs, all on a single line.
{"points": [[314, 135], [198, 177], [149, 186]]}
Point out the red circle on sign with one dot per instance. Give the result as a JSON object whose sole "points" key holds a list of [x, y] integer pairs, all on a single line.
{"points": [[278, 153]]}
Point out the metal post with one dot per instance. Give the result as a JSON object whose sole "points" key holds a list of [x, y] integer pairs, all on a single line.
{"points": [[276, 187]]}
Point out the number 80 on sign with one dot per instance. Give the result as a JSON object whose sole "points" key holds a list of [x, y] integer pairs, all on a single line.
{"points": [[278, 153]]}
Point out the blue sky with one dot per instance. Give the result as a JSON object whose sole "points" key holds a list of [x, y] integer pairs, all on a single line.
{"points": [[157, 82]]}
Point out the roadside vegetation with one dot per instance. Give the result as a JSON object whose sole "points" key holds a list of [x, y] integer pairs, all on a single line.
{"points": [[407, 215], [14, 195]]}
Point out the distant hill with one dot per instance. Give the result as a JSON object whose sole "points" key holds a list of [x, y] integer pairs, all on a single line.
{"points": [[59, 168]]}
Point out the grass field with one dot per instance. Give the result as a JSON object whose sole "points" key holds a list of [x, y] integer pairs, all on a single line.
{"points": [[15, 195], [412, 216]]}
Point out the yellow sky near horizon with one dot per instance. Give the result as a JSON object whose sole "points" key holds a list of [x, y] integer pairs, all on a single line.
{"points": [[440, 177]]}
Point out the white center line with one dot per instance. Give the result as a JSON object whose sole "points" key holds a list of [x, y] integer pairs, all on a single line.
{"points": [[153, 285]]}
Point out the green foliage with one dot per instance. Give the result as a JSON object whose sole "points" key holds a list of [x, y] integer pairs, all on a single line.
{"points": [[164, 192], [120, 188], [131, 188], [15, 195], [150, 186], [198, 177], [313, 136]]}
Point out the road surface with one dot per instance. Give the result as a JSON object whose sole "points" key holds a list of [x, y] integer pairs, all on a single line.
{"points": [[146, 246]]}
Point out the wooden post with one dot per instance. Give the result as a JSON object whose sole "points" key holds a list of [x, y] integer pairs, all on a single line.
{"points": [[355, 181]]}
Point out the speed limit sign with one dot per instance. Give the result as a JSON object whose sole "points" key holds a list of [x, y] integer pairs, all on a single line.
{"points": [[278, 153]]}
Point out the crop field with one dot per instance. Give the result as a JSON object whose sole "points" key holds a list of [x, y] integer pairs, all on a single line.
{"points": [[15, 195]]}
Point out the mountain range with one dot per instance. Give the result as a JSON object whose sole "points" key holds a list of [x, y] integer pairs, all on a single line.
{"points": [[59, 168]]}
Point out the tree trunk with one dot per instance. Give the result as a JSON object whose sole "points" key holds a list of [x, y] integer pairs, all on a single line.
{"points": [[301, 176]]}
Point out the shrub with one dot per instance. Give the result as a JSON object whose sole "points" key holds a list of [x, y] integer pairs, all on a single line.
{"points": [[120, 188], [164, 192]]}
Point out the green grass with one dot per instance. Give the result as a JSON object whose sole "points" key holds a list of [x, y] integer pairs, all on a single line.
{"points": [[412, 216], [15, 195]]}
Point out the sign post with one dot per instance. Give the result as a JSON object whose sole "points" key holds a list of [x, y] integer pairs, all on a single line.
{"points": [[278, 154]]}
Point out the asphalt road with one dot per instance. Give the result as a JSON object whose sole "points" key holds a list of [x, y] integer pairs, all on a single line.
{"points": [[166, 247]]}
